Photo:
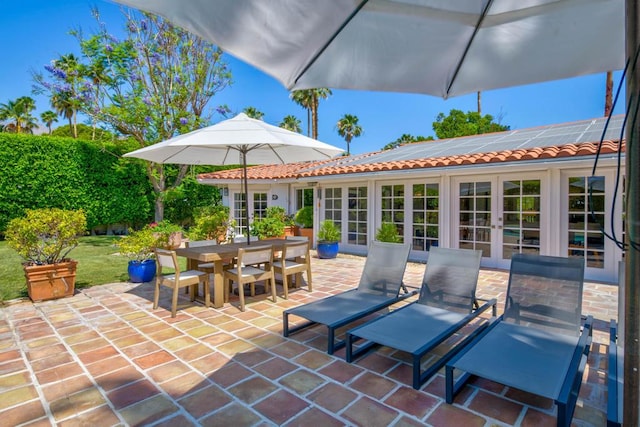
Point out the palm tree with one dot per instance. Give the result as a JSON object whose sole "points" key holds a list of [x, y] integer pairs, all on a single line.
{"points": [[291, 123], [318, 94], [310, 99], [253, 113], [348, 128], [608, 94], [48, 117], [304, 98], [18, 114], [66, 102]]}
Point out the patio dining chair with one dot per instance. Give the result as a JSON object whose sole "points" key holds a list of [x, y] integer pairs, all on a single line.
{"points": [[177, 279], [379, 287], [294, 260], [207, 267], [539, 345], [254, 264], [447, 303]]}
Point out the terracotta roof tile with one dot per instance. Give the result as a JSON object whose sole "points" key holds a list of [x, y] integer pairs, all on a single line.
{"points": [[345, 165]]}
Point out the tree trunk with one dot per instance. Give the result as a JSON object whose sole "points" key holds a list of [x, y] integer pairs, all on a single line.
{"points": [[159, 208], [608, 94], [480, 103], [314, 116]]}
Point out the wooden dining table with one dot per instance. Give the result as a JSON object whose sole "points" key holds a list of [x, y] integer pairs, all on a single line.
{"points": [[219, 255]]}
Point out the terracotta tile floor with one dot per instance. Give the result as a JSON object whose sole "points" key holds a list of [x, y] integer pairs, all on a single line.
{"points": [[104, 357]]}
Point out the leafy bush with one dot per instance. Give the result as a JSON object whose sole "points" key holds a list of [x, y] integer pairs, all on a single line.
{"points": [[50, 172], [211, 223], [138, 245], [328, 232], [388, 232], [46, 236], [304, 217]]}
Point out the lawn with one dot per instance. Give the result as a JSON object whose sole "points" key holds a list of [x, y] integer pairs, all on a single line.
{"points": [[98, 263]]}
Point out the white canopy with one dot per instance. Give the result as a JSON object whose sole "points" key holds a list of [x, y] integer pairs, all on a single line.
{"points": [[438, 47]]}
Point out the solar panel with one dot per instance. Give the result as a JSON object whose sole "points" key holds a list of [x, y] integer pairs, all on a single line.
{"points": [[541, 136]]}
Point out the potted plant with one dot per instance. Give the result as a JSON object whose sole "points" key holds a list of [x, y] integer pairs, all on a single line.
{"points": [[388, 232], [272, 225], [328, 238], [44, 238], [139, 247], [304, 219], [212, 223], [169, 235]]}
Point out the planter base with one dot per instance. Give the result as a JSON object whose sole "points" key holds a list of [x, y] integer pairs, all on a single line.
{"points": [[45, 282]]}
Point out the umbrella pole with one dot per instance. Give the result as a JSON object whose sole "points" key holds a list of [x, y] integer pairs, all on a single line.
{"points": [[246, 194], [632, 258]]}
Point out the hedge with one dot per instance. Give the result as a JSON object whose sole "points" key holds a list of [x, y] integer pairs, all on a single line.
{"points": [[54, 172]]}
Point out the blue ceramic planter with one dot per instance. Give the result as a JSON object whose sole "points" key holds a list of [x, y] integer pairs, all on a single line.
{"points": [[142, 271], [327, 250]]}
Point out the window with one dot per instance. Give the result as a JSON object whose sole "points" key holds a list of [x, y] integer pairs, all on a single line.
{"points": [[333, 205], [425, 213], [239, 213], [392, 207], [475, 216], [521, 211], [259, 205], [586, 219], [304, 197], [357, 216]]}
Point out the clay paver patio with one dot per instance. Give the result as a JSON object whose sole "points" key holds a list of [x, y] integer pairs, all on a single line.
{"points": [[103, 357]]}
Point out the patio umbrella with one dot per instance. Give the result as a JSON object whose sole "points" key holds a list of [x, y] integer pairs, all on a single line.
{"points": [[237, 141], [441, 48]]}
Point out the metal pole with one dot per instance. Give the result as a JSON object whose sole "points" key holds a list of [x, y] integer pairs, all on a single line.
{"points": [[246, 195], [632, 257]]}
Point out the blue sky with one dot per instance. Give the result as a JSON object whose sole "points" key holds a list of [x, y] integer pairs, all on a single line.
{"points": [[33, 32]]}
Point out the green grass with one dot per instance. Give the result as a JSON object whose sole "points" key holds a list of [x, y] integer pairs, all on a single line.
{"points": [[98, 263]]}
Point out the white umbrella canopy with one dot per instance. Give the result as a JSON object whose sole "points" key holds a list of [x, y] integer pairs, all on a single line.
{"points": [[237, 141], [438, 47]]}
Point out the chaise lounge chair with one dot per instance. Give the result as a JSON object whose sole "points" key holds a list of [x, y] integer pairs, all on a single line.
{"points": [[538, 344], [446, 304], [379, 287]]}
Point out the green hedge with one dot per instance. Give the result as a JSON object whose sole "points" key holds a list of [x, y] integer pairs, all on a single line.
{"points": [[47, 172]]}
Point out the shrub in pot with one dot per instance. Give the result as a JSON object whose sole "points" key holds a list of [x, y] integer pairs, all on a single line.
{"points": [[304, 219], [139, 247], [388, 232], [328, 238], [168, 235], [44, 238], [272, 225], [212, 223]]}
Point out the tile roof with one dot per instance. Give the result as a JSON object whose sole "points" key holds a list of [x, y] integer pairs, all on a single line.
{"points": [[459, 152]]}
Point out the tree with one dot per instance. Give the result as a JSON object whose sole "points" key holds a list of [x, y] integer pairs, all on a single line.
{"points": [[291, 123], [65, 87], [17, 115], [48, 117], [348, 128], [458, 123], [253, 112], [154, 83], [310, 100], [608, 94], [406, 139], [304, 98]]}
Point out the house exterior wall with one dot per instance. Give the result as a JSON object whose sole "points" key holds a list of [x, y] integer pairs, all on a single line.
{"points": [[531, 207]]}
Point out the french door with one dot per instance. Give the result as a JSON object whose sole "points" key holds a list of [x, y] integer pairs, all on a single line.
{"points": [[499, 215]]}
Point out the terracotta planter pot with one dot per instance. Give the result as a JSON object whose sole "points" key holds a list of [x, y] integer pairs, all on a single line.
{"points": [[291, 230], [51, 281], [308, 233], [174, 242]]}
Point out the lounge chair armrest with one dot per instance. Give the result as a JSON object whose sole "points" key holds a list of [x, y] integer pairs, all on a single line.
{"points": [[574, 373], [492, 303]]}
